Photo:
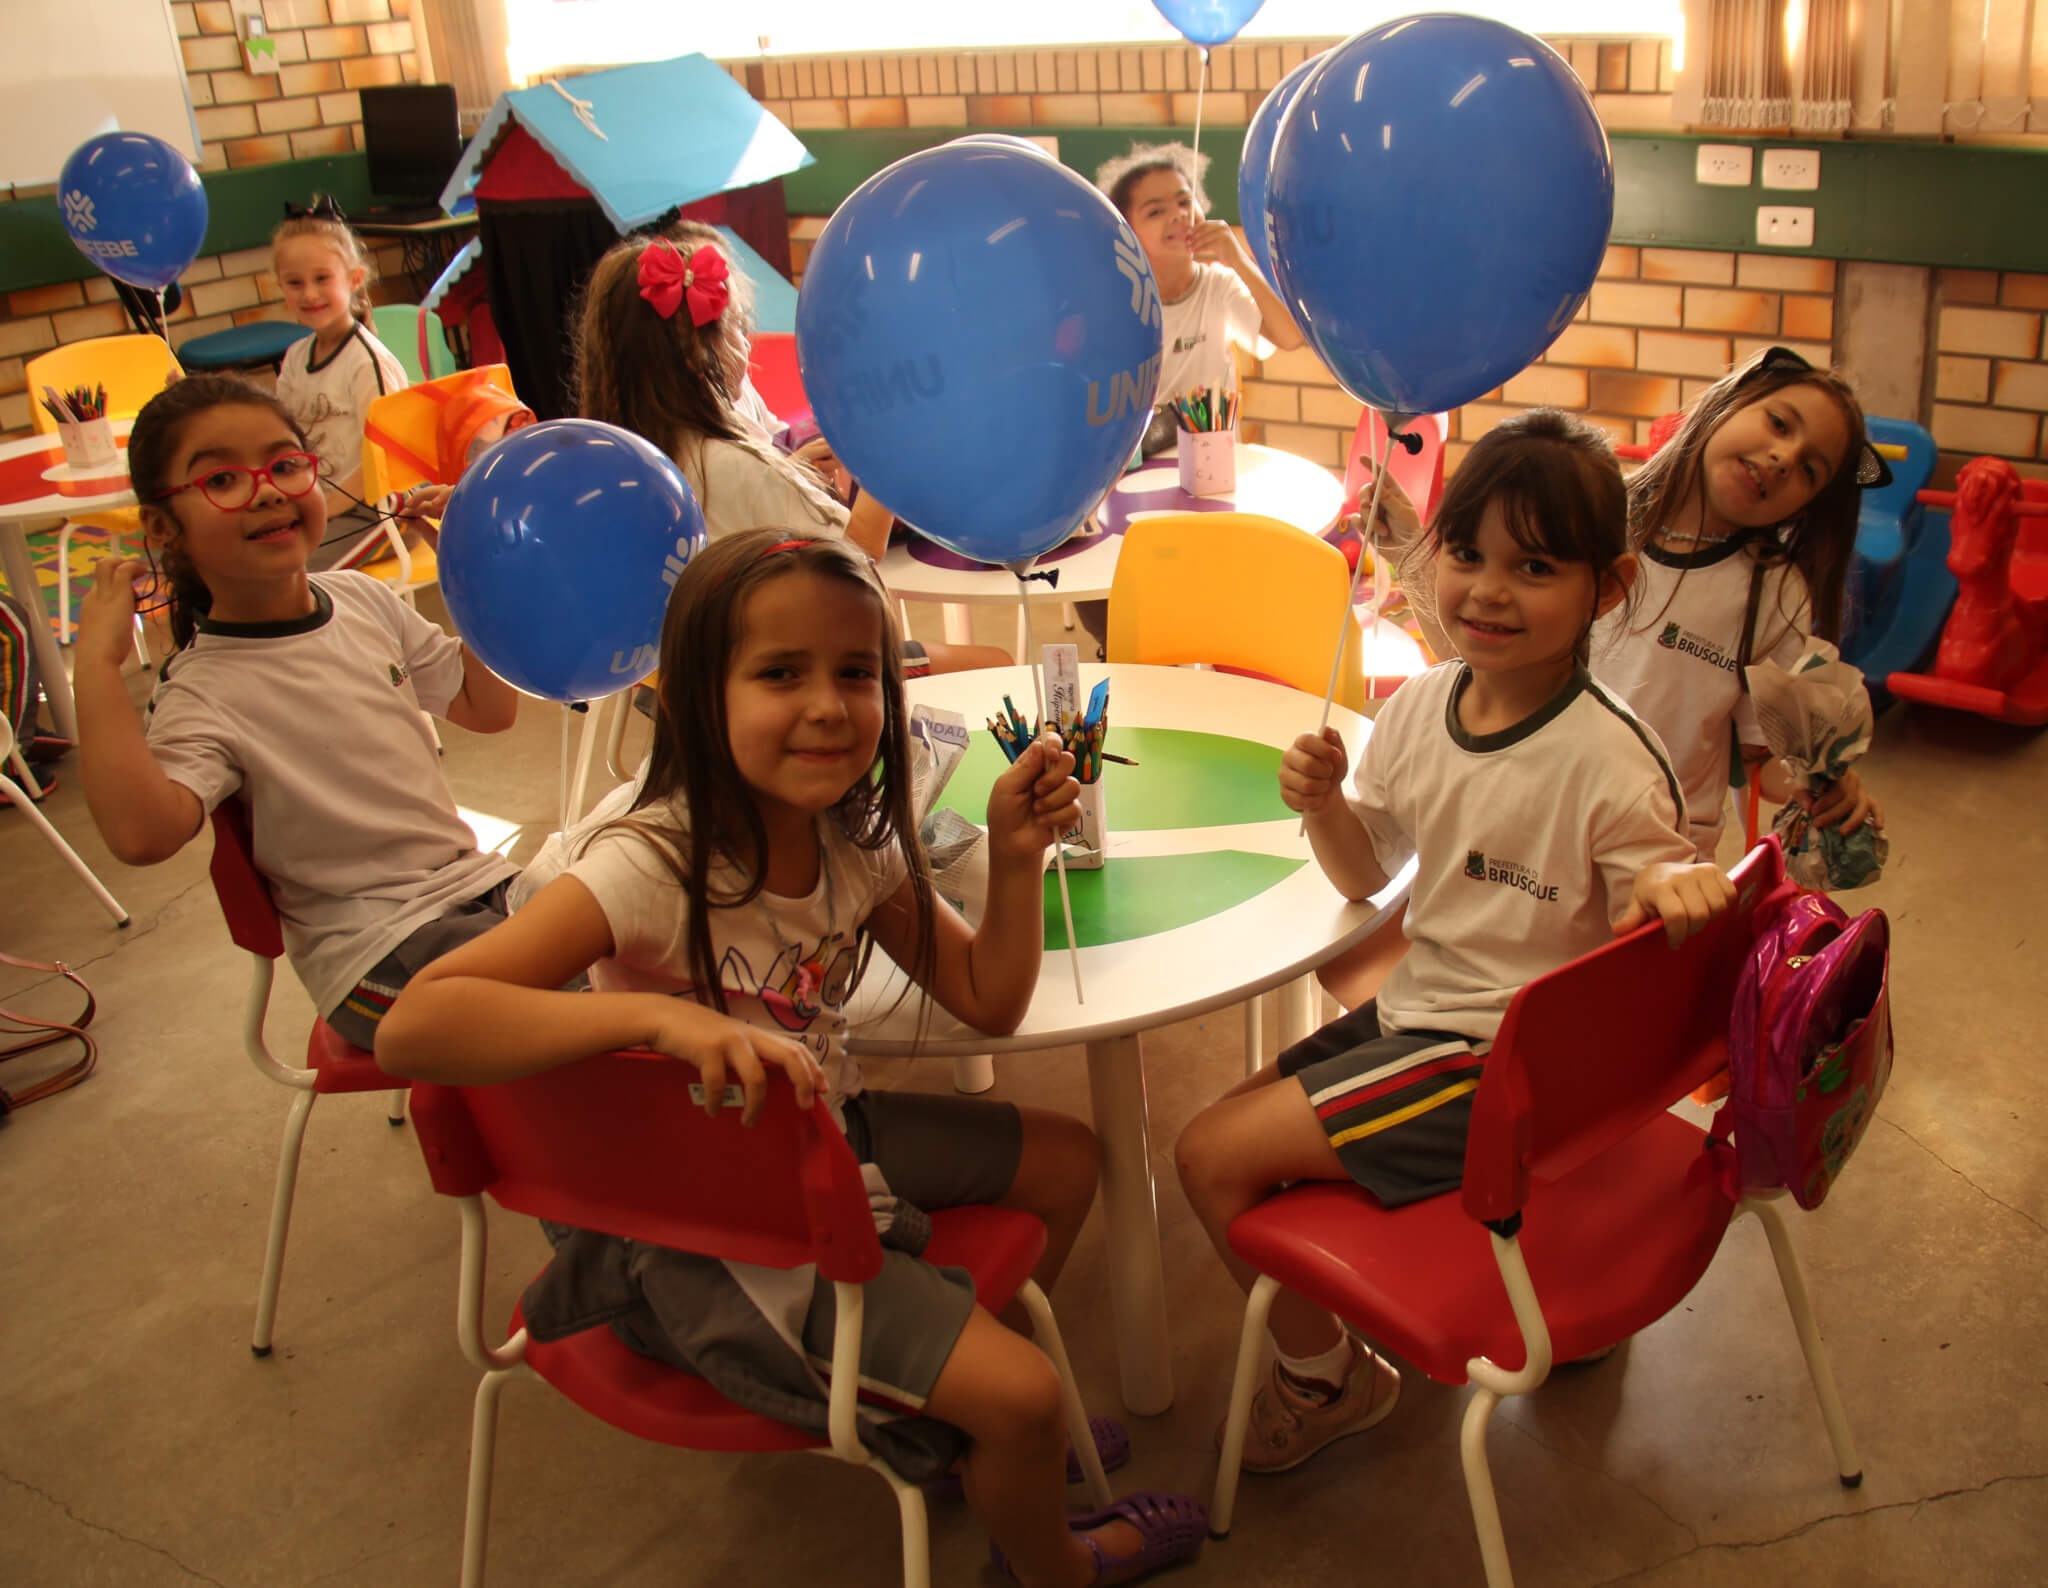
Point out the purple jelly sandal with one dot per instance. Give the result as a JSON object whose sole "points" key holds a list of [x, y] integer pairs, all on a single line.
{"points": [[1173, 1527], [1112, 1447]]}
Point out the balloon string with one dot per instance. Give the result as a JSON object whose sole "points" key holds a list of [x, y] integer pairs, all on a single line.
{"points": [[1059, 855], [1365, 547], [1201, 84], [163, 329]]}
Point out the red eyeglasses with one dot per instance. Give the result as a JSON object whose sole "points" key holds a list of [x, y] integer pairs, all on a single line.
{"points": [[231, 485]]}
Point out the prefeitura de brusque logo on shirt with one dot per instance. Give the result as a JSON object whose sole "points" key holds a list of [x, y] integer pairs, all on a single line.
{"points": [[1509, 874], [1687, 643], [399, 675]]}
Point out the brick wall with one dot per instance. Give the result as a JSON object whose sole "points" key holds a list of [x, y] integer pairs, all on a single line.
{"points": [[1991, 365], [327, 50]]}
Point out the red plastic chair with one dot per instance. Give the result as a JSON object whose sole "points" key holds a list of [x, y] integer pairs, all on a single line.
{"points": [[332, 1065], [1420, 474], [620, 1143], [1588, 1210]]}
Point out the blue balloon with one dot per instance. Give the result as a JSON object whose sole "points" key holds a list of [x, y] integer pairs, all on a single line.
{"points": [[558, 551], [1256, 161], [133, 206], [1208, 22], [1439, 199], [979, 335]]}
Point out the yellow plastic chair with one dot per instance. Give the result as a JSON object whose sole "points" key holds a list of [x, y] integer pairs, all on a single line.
{"points": [[1242, 591], [1235, 590], [133, 369]]}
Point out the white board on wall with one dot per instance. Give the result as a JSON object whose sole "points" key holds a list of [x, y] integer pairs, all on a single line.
{"points": [[70, 71]]}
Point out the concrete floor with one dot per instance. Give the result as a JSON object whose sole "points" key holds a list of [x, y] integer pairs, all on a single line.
{"points": [[141, 1445]]}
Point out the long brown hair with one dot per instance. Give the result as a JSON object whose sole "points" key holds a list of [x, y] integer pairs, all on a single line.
{"points": [[691, 770], [153, 448], [1821, 538], [1560, 493], [664, 379]]}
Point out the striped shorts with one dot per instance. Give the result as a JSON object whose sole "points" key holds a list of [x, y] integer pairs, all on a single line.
{"points": [[1396, 1107]]}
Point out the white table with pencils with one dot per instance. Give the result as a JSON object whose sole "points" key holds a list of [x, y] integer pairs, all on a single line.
{"points": [[1209, 898]]}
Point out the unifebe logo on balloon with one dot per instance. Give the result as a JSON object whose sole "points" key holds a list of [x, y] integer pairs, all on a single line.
{"points": [[1130, 264], [78, 211]]}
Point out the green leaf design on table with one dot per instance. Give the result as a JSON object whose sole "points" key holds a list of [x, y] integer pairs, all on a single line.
{"points": [[1182, 779], [1143, 895]]}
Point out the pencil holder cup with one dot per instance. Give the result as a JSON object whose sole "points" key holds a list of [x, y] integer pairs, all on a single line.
{"points": [[1087, 847], [1208, 462], [89, 444]]}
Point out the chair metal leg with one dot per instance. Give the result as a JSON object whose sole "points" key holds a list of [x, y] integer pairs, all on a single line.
{"points": [[1493, 1544], [483, 1453], [64, 582], [37, 819], [1254, 1033], [280, 1219], [394, 1110], [917, 1549], [1251, 1355], [1847, 1466], [1046, 1335]]}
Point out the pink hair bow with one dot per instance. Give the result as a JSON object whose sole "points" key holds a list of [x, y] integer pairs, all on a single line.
{"points": [[667, 280]]}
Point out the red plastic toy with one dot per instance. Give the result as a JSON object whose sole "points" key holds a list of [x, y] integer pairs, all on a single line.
{"points": [[1993, 658]]}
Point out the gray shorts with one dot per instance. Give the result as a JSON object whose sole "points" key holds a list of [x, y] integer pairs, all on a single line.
{"points": [[355, 1018], [1397, 1107], [936, 1151]]}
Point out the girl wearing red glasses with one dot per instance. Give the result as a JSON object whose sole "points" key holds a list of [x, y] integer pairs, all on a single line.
{"points": [[299, 693]]}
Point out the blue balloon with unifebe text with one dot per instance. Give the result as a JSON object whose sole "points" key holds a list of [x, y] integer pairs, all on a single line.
{"points": [[1208, 22], [1256, 161], [134, 206], [559, 548], [978, 334], [1440, 195]]}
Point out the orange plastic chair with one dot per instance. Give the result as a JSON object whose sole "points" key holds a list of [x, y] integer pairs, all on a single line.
{"points": [[1235, 590], [133, 369], [332, 1065], [1588, 1210], [620, 1143]]}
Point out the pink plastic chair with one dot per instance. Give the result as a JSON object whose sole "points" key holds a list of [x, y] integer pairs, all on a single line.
{"points": [[332, 1065], [1420, 474], [620, 1143], [1588, 1210]]}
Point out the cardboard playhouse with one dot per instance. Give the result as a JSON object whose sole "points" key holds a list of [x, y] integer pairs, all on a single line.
{"points": [[559, 172]]}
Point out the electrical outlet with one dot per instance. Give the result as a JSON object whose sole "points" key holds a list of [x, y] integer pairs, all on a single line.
{"points": [[1784, 226], [1792, 168], [1723, 164]]}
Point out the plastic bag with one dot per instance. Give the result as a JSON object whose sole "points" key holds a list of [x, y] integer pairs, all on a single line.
{"points": [[1816, 718]]}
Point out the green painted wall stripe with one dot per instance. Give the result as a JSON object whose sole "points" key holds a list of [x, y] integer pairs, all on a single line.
{"points": [[242, 209]]}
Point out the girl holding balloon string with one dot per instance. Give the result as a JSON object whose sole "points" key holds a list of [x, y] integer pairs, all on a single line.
{"points": [[374, 869], [1528, 548], [726, 905], [661, 350]]}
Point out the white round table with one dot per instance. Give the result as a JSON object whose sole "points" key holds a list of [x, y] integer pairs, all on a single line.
{"points": [[1275, 936], [38, 491], [1270, 482]]}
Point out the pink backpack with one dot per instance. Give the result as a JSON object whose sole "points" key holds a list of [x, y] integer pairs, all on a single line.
{"points": [[1809, 1043]]}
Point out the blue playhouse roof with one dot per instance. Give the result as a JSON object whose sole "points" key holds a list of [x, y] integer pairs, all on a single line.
{"points": [[672, 132]]}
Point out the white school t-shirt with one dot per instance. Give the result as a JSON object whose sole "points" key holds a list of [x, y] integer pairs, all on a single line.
{"points": [[1527, 841], [316, 723], [786, 965], [1671, 654], [739, 488], [331, 400], [1199, 327]]}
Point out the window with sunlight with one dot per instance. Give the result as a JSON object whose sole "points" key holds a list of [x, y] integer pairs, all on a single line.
{"points": [[546, 34]]}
